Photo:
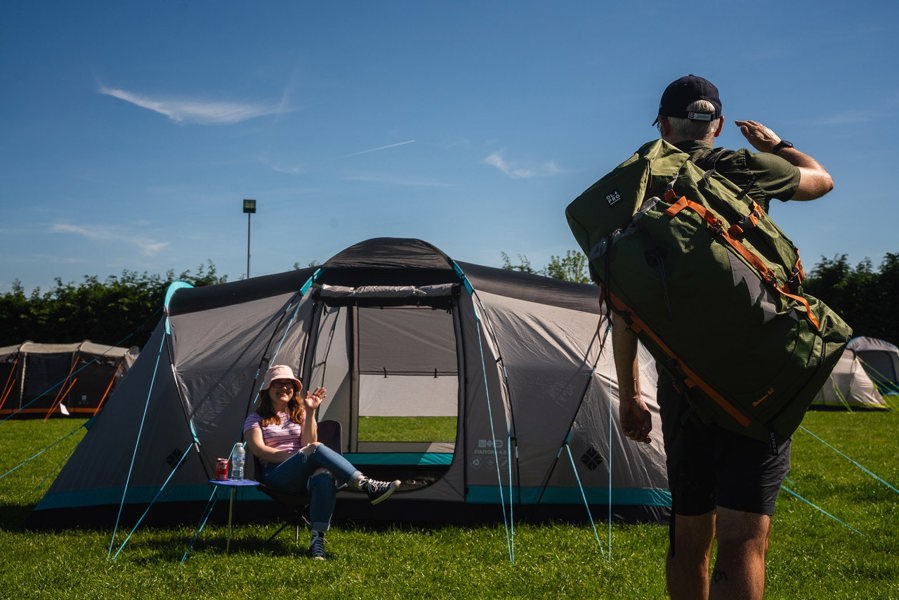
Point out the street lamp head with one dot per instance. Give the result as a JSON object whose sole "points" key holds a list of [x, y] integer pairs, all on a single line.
{"points": [[249, 206]]}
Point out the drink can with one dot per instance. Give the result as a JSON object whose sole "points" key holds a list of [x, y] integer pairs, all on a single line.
{"points": [[221, 469]]}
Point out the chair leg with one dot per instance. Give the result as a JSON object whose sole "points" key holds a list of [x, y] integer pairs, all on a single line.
{"points": [[280, 529], [299, 523]]}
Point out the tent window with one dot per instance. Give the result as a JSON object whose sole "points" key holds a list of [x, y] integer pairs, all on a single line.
{"points": [[408, 379], [46, 373]]}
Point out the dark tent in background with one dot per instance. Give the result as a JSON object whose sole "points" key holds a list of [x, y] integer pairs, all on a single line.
{"points": [[881, 360], [40, 380], [510, 370]]}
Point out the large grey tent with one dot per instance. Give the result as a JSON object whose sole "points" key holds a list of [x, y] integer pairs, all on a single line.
{"points": [[53, 379], [880, 359], [849, 387], [513, 364]]}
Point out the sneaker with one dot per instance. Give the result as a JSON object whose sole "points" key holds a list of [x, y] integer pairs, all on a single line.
{"points": [[378, 491], [317, 546]]}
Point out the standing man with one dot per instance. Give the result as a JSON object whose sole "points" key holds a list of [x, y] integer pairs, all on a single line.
{"points": [[723, 485]]}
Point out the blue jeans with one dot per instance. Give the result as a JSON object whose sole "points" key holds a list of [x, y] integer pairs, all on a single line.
{"points": [[295, 476]]}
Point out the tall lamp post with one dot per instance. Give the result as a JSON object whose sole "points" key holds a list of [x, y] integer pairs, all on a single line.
{"points": [[249, 207]]}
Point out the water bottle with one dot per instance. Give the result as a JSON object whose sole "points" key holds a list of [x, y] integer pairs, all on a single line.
{"points": [[238, 458]]}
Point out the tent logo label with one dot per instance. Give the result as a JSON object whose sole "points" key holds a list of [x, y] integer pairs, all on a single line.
{"points": [[487, 448], [613, 197], [173, 457], [591, 459]]}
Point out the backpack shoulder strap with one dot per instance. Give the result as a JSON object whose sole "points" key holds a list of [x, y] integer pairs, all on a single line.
{"points": [[707, 158]]}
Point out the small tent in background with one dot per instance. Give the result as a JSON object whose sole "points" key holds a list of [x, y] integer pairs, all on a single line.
{"points": [[509, 369], [40, 380], [849, 387], [881, 361]]}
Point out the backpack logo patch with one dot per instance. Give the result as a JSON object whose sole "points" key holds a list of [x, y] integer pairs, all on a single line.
{"points": [[613, 197]]}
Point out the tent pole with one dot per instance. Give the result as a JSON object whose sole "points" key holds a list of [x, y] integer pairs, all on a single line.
{"points": [[510, 542], [139, 434], [584, 497], [819, 509], [862, 468]]}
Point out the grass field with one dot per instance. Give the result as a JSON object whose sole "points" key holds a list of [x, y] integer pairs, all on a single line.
{"points": [[811, 556], [407, 429]]}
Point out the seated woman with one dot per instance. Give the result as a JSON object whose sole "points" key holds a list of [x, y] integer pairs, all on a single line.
{"points": [[282, 434]]}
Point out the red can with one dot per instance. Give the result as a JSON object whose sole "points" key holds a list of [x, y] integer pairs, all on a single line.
{"points": [[221, 469]]}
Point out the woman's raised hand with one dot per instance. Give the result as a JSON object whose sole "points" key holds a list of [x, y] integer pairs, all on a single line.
{"points": [[313, 400]]}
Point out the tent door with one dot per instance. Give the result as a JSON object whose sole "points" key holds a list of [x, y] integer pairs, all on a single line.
{"points": [[405, 391]]}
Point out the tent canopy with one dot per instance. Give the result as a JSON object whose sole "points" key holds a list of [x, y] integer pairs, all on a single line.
{"points": [[849, 387], [881, 361], [509, 370]]}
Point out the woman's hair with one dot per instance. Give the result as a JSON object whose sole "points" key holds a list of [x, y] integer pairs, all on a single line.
{"points": [[688, 129], [270, 417]]}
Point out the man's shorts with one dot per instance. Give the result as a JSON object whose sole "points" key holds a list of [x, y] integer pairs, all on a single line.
{"points": [[709, 466]]}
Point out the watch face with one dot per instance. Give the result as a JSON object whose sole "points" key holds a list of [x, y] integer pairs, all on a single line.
{"points": [[781, 145]]}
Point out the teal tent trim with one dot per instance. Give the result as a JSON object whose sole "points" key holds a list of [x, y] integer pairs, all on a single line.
{"points": [[586, 504], [508, 521], [169, 294], [565, 495], [401, 458], [149, 506]]}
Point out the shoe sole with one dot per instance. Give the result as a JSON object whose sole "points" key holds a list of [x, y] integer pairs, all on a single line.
{"points": [[393, 487]]}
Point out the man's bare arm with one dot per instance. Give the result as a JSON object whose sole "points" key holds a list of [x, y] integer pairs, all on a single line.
{"points": [[636, 420], [814, 180]]}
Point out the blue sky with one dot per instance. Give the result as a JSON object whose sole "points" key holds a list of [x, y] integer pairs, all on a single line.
{"points": [[130, 132]]}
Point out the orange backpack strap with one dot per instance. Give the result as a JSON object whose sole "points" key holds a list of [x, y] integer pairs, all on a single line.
{"points": [[690, 378], [715, 225]]}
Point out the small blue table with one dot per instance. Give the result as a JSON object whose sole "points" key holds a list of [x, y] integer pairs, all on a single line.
{"points": [[232, 485]]}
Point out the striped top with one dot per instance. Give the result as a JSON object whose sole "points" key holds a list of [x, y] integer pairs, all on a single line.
{"points": [[284, 436]]}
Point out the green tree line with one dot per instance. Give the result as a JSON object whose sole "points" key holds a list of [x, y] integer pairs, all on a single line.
{"points": [[124, 309], [120, 311], [862, 295]]}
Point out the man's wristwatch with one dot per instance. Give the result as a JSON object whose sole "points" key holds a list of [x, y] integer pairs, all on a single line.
{"points": [[780, 146]]}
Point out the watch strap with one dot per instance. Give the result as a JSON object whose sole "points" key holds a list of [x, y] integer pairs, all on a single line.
{"points": [[780, 146]]}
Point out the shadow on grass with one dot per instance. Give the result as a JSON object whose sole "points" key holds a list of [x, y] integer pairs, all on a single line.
{"points": [[14, 516], [166, 548]]}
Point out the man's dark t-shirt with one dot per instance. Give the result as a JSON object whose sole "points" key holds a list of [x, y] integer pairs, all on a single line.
{"points": [[762, 175]]}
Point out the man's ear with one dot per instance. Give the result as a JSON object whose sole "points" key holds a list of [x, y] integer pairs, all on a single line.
{"points": [[720, 126], [664, 126]]}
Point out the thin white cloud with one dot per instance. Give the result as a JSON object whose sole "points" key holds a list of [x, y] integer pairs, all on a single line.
{"points": [[279, 167], [497, 161], [379, 148], [197, 111], [103, 234], [287, 92], [390, 180]]}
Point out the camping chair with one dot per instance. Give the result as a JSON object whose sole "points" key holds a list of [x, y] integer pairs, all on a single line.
{"points": [[294, 506]]}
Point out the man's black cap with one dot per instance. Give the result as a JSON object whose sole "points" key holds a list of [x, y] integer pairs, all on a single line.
{"points": [[683, 92]]}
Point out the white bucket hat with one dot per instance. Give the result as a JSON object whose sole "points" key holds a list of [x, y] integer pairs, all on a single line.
{"points": [[280, 372]]}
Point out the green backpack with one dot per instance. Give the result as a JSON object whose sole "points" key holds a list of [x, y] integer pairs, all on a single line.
{"points": [[712, 287]]}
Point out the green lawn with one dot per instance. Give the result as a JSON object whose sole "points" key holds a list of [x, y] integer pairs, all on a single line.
{"points": [[407, 429], [811, 556]]}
